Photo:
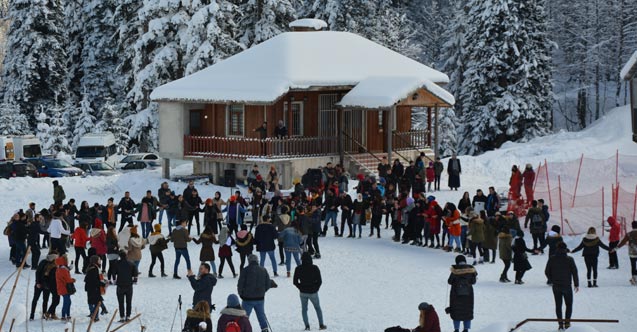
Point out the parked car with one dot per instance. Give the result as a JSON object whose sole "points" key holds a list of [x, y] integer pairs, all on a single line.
{"points": [[96, 168], [141, 164], [137, 156], [95, 147], [10, 169], [54, 168]]}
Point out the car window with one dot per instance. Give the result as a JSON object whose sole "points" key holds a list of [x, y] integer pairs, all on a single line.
{"points": [[130, 165], [6, 168], [130, 158], [83, 167], [101, 167], [141, 165], [154, 163], [37, 163], [151, 157], [58, 163]]}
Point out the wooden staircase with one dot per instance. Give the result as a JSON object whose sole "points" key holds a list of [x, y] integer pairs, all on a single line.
{"points": [[367, 163]]}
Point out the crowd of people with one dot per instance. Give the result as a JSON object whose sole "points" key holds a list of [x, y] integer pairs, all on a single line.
{"points": [[108, 246]]}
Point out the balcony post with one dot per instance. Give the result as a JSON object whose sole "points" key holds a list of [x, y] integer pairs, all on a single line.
{"points": [[339, 132], [389, 129], [436, 137], [429, 126]]}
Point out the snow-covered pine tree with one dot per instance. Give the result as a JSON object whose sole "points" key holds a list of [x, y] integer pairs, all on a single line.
{"points": [[34, 66], [113, 122], [128, 30], [99, 57], [12, 122], [448, 140], [210, 36], [55, 138], [503, 91], [42, 130], [264, 19], [74, 21], [85, 123], [453, 56]]}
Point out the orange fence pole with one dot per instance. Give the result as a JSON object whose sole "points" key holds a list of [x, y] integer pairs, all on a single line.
{"points": [[539, 167], [559, 187], [577, 180], [548, 185]]}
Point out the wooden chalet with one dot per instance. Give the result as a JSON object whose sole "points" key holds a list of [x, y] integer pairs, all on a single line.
{"points": [[629, 73]]}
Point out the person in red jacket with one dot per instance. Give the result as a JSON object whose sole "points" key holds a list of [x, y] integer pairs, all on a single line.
{"points": [[428, 321], [515, 183], [80, 238], [62, 280], [98, 242], [528, 178], [430, 174], [452, 221], [434, 214], [613, 239]]}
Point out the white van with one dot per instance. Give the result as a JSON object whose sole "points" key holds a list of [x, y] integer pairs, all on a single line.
{"points": [[97, 147], [7, 151], [27, 146]]}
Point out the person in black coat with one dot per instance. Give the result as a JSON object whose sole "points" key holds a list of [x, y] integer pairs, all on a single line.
{"points": [[461, 279], [126, 274], [42, 283], [454, 169], [198, 318], [33, 240], [203, 286], [560, 270], [126, 209], [520, 259], [591, 244], [307, 278], [346, 213], [265, 237], [93, 285]]}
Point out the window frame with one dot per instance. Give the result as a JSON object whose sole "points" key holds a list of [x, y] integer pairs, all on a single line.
{"points": [[301, 117], [229, 111]]}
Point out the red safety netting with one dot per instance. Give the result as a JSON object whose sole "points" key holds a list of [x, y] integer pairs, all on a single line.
{"points": [[584, 192]]}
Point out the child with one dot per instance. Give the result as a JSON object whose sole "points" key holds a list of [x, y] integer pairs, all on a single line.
{"points": [[430, 175]]}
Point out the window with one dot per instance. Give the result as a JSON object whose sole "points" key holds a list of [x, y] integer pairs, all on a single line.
{"points": [[381, 125], [327, 115], [297, 118], [235, 120]]}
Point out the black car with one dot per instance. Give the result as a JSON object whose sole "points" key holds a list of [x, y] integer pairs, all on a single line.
{"points": [[12, 169]]}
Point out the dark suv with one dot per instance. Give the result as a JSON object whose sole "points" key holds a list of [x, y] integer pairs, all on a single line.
{"points": [[12, 169]]}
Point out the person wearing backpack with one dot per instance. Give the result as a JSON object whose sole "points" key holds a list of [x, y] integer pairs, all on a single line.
{"points": [[535, 217], [631, 240], [461, 279], [307, 278], [65, 286], [233, 318]]}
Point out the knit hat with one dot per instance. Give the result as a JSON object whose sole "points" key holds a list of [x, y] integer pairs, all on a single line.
{"points": [[259, 177], [253, 258], [157, 228], [233, 301], [424, 306], [233, 198], [460, 259], [431, 199], [209, 201], [556, 229]]}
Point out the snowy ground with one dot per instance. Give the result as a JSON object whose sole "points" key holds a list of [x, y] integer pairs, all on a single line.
{"points": [[369, 284]]}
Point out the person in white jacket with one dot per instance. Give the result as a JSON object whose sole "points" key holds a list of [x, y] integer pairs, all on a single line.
{"points": [[59, 232]]}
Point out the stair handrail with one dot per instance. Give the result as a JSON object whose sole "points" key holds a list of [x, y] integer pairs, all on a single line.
{"points": [[359, 163], [528, 320], [361, 146], [408, 144]]}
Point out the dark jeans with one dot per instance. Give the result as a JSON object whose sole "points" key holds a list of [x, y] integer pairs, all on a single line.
{"points": [[564, 293], [397, 229], [36, 296], [633, 266], [80, 252], [612, 256], [281, 253], [476, 248], [178, 254], [154, 257], [111, 269], [194, 214], [312, 243], [538, 240], [437, 182], [346, 217], [507, 265], [20, 251], [223, 262], [591, 266], [55, 300], [488, 256], [376, 219], [124, 295], [59, 245], [125, 220]]}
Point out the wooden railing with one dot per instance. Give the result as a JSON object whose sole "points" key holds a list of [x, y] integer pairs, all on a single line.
{"points": [[269, 148], [411, 140]]}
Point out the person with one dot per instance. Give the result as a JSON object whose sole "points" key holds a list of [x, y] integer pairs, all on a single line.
{"points": [[207, 253], [233, 316], [331, 205], [245, 245], [198, 318], [631, 240], [126, 209], [479, 202], [493, 202], [225, 251], [613, 241], [112, 253], [490, 243], [172, 211], [93, 285], [430, 176], [382, 168], [438, 169], [219, 202], [535, 217], [591, 244], [292, 242], [253, 283], [560, 271], [265, 237], [307, 278], [65, 286], [19, 235], [58, 193], [163, 194], [476, 232], [528, 180], [505, 241], [428, 321], [454, 169], [262, 132], [553, 239], [58, 233], [252, 175], [70, 213], [42, 285], [452, 222], [79, 244], [515, 184], [202, 284], [158, 244], [147, 212], [97, 238], [135, 246], [464, 202], [461, 279], [33, 237], [126, 274], [180, 237], [194, 203], [520, 259]]}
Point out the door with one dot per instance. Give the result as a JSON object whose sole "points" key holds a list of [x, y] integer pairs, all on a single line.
{"points": [[201, 122], [354, 125], [327, 115]]}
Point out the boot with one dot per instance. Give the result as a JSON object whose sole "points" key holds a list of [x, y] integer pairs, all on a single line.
{"points": [[289, 275], [590, 284], [322, 327], [163, 275], [175, 276], [151, 275], [503, 279], [594, 283]]}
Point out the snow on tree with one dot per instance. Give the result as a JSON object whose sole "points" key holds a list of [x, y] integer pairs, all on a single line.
{"points": [[12, 122], [448, 141], [73, 34], [113, 122], [85, 123], [55, 137], [128, 30], [454, 50], [210, 36], [507, 83], [34, 66], [42, 131], [264, 19]]}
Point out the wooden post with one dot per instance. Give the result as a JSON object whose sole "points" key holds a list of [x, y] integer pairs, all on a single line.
{"points": [[390, 132], [290, 124], [110, 322], [339, 132], [6, 310], [429, 126], [93, 315], [126, 323], [436, 131]]}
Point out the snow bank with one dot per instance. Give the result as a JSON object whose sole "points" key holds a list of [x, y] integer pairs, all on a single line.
{"points": [[311, 23], [630, 66]]}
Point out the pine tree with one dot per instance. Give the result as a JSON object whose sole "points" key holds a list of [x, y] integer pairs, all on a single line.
{"points": [[114, 123], [454, 50], [34, 66], [264, 19], [85, 123], [210, 36], [12, 122], [55, 138], [74, 20], [448, 141], [42, 132], [505, 89], [129, 28]]}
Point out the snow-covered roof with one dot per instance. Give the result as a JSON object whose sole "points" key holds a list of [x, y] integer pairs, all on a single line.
{"points": [[386, 91], [310, 23], [630, 68], [293, 60]]}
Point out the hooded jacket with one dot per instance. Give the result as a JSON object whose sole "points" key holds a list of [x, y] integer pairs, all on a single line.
{"points": [[461, 279], [291, 239], [98, 239], [591, 244], [265, 236], [62, 276], [307, 276], [615, 229], [135, 246], [194, 318], [560, 269], [234, 314]]}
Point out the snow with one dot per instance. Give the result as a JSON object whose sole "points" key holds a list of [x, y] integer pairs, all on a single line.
{"points": [[312, 23], [630, 67], [293, 60], [360, 275], [386, 91]]}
